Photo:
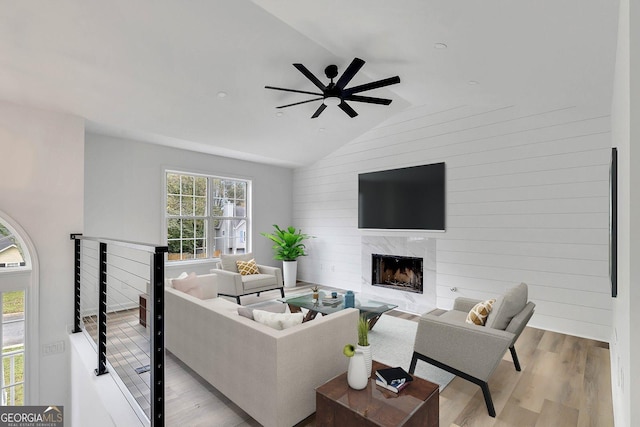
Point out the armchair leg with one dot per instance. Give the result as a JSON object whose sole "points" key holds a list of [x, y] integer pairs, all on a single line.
{"points": [[414, 361], [483, 384], [282, 292], [514, 356], [487, 399], [238, 300], [257, 294]]}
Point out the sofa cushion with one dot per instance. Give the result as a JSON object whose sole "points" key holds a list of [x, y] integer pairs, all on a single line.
{"points": [[228, 262], [272, 308], [478, 314], [454, 316], [188, 285], [256, 281], [247, 267], [507, 306], [277, 320]]}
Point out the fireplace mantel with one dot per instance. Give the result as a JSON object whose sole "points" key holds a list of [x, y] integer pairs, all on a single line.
{"points": [[405, 246]]}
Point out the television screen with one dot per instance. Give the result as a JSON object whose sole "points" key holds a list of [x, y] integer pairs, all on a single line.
{"points": [[410, 198]]}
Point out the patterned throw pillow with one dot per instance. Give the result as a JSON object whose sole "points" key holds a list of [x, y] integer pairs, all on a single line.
{"points": [[479, 312], [247, 267]]}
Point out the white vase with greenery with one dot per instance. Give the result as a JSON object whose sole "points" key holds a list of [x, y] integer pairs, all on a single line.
{"points": [[363, 343], [357, 371]]}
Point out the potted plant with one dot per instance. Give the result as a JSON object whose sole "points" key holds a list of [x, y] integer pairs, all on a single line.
{"points": [[363, 341], [288, 247], [359, 369], [315, 294]]}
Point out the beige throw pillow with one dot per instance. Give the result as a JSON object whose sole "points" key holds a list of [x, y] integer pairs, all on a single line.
{"points": [[188, 285], [273, 308], [479, 312], [247, 267], [277, 320]]}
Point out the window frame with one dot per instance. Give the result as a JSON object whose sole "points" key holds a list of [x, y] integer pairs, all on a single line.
{"points": [[209, 216]]}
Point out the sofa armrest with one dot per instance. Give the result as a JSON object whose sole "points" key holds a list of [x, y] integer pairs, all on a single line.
{"points": [[229, 283], [464, 304], [472, 349], [274, 271]]}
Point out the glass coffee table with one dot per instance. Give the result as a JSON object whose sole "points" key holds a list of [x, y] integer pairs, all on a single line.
{"points": [[326, 304]]}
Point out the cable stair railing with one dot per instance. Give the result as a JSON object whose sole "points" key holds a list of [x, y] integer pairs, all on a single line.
{"points": [[119, 303]]}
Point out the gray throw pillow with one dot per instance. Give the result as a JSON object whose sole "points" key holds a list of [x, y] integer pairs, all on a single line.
{"points": [[507, 306]]}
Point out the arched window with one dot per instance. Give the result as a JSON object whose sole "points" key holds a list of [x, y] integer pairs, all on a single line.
{"points": [[18, 288]]}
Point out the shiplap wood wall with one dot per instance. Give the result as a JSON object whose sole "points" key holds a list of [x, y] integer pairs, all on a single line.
{"points": [[527, 200]]}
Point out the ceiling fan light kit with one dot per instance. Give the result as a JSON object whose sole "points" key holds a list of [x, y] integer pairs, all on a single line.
{"points": [[336, 93]]}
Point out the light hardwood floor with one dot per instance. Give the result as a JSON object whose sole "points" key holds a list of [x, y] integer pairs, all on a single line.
{"points": [[565, 381]]}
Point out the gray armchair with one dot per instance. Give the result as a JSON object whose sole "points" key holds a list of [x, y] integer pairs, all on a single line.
{"points": [[471, 351], [232, 284]]}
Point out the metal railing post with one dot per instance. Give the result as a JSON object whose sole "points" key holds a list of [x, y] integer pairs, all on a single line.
{"points": [[157, 337], [76, 304], [102, 312]]}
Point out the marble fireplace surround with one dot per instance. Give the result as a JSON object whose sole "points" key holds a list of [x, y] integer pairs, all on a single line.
{"points": [[420, 247]]}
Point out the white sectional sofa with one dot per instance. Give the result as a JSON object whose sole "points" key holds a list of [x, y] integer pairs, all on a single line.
{"points": [[271, 374]]}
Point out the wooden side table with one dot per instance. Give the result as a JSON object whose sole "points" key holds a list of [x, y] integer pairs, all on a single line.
{"points": [[338, 405], [142, 309]]}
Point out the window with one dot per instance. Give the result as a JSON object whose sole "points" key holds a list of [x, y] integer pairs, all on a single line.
{"points": [[206, 216], [13, 340], [17, 289], [10, 251]]}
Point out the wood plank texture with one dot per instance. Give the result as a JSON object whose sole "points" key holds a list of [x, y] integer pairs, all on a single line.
{"points": [[565, 381]]}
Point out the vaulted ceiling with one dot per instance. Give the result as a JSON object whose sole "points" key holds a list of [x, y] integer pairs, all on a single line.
{"points": [[153, 70]]}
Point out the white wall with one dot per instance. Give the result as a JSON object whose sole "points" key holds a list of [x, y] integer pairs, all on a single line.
{"points": [[124, 191], [103, 402], [41, 188], [625, 341], [527, 200]]}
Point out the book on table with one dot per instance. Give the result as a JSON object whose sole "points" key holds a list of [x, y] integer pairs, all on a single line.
{"points": [[394, 379], [389, 375], [395, 386]]}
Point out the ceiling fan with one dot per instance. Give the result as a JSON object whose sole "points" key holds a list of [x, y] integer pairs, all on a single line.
{"points": [[336, 93]]}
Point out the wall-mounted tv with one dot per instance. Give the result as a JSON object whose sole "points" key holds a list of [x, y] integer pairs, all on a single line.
{"points": [[410, 198]]}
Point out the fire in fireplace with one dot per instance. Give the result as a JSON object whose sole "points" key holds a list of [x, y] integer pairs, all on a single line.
{"points": [[397, 272]]}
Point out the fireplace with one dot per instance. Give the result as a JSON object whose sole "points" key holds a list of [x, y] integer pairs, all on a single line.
{"points": [[403, 273]]}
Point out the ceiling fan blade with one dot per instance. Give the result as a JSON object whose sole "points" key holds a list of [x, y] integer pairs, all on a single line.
{"points": [[301, 102], [293, 90], [310, 76], [347, 109], [348, 74], [369, 99], [319, 110], [372, 85]]}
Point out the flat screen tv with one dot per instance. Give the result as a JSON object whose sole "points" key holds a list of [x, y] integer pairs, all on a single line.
{"points": [[410, 198]]}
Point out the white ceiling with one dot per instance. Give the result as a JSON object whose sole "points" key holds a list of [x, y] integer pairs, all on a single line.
{"points": [[151, 70]]}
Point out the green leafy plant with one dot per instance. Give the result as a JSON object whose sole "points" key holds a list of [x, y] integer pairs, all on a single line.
{"points": [[363, 331], [288, 243]]}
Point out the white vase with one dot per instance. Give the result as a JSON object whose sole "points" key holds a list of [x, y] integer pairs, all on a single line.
{"points": [[366, 351], [357, 371], [290, 271]]}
